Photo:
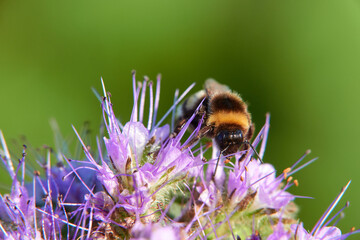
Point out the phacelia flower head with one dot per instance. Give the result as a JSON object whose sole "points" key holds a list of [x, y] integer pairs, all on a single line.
{"points": [[142, 181]]}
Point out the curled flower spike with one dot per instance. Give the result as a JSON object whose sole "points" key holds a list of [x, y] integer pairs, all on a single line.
{"points": [[142, 181]]}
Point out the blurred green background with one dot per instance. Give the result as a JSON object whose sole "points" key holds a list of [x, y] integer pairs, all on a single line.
{"points": [[298, 60]]}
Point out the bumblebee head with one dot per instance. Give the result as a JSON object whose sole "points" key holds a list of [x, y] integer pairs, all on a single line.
{"points": [[229, 140]]}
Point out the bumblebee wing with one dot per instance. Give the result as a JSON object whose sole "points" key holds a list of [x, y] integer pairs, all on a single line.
{"points": [[186, 110], [212, 87], [189, 106]]}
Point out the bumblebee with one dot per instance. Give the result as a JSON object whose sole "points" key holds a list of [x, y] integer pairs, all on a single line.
{"points": [[224, 115]]}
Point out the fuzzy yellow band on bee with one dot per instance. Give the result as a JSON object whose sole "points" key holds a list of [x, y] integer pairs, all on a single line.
{"points": [[228, 118]]}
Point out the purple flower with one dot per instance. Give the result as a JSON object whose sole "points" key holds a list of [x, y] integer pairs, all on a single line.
{"points": [[141, 168], [155, 231], [19, 216], [142, 181], [279, 233], [324, 233]]}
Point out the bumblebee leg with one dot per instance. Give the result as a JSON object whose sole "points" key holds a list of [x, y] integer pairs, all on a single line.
{"points": [[179, 126], [202, 132], [217, 162]]}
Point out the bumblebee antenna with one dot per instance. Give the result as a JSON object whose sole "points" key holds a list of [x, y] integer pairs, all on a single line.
{"points": [[217, 162], [257, 155]]}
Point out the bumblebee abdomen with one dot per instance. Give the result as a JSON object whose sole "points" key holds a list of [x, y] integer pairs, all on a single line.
{"points": [[228, 109], [227, 102]]}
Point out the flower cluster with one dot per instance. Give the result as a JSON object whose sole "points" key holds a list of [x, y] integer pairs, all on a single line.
{"points": [[142, 182]]}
